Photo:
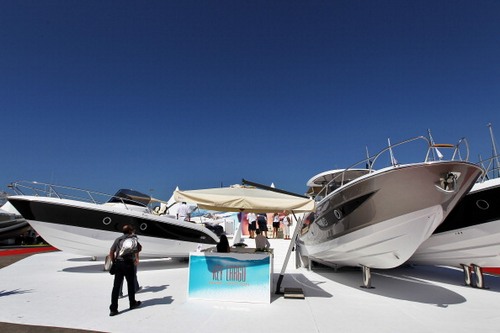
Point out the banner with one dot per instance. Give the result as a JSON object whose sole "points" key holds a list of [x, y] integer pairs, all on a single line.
{"points": [[236, 277]]}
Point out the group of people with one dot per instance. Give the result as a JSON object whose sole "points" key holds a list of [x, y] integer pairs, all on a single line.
{"points": [[286, 221], [261, 243], [256, 222], [259, 223], [257, 228]]}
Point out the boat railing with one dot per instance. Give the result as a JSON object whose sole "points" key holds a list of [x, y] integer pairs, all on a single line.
{"points": [[67, 192], [491, 168], [460, 151]]}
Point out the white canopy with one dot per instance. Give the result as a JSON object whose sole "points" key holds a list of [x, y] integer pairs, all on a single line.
{"points": [[247, 199]]}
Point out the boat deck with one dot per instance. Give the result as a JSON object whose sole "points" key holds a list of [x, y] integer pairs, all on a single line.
{"points": [[62, 290]]}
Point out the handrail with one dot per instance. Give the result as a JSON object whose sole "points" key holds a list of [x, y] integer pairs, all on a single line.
{"points": [[61, 192], [370, 161], [491, 170]]}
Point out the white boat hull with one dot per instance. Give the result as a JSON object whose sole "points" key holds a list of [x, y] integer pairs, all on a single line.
{"points": [[91, 242], [89, 229], [478, 245], [383, 245], [380, 219], [471, 233]]}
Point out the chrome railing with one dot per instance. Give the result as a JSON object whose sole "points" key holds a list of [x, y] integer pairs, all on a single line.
{"points": [[67, 192], [491, 168], [433, 154]]}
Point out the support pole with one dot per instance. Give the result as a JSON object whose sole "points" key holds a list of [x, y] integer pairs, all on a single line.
{"points": [[298, 260], [367, 278], [288, 253]]}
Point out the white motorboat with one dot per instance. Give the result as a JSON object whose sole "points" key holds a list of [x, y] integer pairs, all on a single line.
{"points": [[378, 218], [470, 236], [86, 223], [12, 224]]}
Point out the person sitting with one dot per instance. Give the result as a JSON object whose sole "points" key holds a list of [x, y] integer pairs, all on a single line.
{"points": [[223, 245], [261, 242]]}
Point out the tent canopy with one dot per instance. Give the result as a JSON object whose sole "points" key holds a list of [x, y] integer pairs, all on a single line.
{"points": [[245, 199]]}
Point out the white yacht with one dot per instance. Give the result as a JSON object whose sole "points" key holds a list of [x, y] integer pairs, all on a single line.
{"points": [[378, 218], [470, 236], [86, 223]]}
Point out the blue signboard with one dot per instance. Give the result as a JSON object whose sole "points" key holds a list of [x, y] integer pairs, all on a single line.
{"points": [[237, 277]]}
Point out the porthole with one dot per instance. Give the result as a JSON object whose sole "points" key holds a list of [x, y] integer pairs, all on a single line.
{"points": [[322, 222], [106, 220], [482, 204], [143, 226]]}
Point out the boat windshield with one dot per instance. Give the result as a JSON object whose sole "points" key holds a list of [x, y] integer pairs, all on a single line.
{"points": [[326, 182], [130, 197]]}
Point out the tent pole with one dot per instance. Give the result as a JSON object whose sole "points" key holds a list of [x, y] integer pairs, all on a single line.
{"points": [[272, 189], [298, 227], [238, 233]]}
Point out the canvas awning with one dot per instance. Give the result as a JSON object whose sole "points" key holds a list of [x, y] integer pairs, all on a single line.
{"points": [[245, 199]]}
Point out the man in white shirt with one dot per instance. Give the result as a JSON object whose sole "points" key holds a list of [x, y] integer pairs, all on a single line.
{"points": [[183, 212], [252, 224]]}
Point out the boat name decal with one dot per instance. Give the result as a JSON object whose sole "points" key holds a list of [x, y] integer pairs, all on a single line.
{"points": [[229, 273]]}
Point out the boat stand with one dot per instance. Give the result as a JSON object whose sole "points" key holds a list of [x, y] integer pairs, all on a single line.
{"points": [[467, 275], [367, 278], [478, 271], [478, 282]]}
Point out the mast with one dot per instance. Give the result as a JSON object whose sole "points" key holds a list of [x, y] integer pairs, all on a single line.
{"points": [[496, 164], [394, 162]]}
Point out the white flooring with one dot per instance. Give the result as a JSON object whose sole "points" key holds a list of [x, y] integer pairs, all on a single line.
{"points": [[64, 290]]}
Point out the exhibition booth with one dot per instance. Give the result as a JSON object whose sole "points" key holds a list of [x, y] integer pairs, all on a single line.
{"points": [[235, 276], [244, 274]]}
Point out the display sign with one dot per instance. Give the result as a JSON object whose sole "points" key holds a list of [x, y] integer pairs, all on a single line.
{"points": [[236, 277]]}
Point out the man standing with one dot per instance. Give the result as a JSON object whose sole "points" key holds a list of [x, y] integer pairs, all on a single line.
{"points": [[124, 253], [252, 224], [262, 223], [183, 212]]}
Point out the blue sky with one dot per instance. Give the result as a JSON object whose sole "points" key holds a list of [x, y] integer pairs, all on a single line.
{"points": [[151, 95]]}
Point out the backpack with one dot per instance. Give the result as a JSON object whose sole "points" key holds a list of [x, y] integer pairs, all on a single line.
{"points": [[129, 246]]}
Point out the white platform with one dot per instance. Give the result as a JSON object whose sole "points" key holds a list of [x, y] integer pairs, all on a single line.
{"points": [[59, 289]]}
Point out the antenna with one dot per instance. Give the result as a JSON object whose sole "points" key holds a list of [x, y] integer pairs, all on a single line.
{"points": [[368, 160], [495, 154], [394, 162], [439, 155]]}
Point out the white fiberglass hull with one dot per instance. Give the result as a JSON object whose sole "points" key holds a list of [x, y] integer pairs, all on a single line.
{"points": [[380, 219], [470, 234], [478, 245], [89, 229], [90, 242], [383, 245]]}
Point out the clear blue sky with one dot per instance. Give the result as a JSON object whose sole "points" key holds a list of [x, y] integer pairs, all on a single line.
{"points": [[151, 95]]}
